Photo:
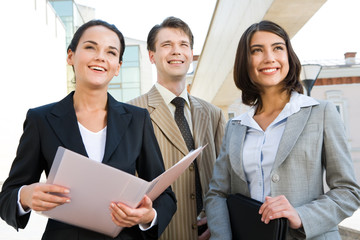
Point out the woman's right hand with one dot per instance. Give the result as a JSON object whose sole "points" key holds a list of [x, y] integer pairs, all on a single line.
{"points": [[278, 207], [39, 197]]}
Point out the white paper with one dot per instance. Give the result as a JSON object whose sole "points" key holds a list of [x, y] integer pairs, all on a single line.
{"points": [[93, 186]]}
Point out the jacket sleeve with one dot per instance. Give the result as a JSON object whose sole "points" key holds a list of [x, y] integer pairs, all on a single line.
{"points": [[215, 199], [26, 169], [343, 197], [219, 134], [150, 165]]}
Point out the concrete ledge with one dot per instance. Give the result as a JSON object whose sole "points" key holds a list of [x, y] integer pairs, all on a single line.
{"points": [[348, 233]]}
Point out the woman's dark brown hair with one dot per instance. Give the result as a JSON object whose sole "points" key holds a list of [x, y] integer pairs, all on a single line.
{"points": [[250, 91]]}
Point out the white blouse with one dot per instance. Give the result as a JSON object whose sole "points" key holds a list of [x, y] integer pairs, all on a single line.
{"points": [[94, 142]]}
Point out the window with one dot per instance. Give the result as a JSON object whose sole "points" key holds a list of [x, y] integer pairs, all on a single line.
{"points": [[231, 115], [126, 86], [335, 96]]}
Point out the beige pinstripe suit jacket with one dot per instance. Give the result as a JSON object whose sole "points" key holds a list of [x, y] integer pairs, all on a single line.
{"points": [[208, 128]]}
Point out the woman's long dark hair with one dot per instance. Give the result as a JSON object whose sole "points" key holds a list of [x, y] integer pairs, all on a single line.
{"points": [[250, 91]]}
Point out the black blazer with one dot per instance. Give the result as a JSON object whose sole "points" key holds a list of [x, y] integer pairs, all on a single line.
{"points": [[130, 146]]}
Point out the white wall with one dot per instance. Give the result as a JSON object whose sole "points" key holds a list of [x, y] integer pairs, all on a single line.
{"points": [[33, 62], [349, 96]]}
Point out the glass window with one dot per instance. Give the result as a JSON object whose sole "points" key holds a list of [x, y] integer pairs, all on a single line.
{"points": [[131, 85], [336, 97], [130, 93], [63, 8], [69, 15], [130, 74], [116, 79], [131, 56], [231, 115], [127, 85], [116, 93]]}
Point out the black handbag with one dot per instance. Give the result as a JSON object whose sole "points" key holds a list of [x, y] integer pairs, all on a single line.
{"points": [[246, 221]]}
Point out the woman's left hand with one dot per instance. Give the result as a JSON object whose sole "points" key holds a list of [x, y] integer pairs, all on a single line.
{"points": [[125, 216], [278, 207]]}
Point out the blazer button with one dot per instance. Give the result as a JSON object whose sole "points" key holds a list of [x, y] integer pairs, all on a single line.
{"points": [[192, 196], [275, 178], [191, 167], [194, 226]]}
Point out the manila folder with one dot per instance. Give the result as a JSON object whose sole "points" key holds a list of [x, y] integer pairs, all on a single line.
{"points": [[93, 186]]}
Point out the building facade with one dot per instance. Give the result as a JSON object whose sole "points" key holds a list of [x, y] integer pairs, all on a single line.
{"points": [[73, 16], [33, 50], [339, 82], [136, 75], [34, 74]]}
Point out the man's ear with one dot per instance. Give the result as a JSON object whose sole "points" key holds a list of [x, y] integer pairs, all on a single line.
{"points": [[151, 56], [69, 60]]}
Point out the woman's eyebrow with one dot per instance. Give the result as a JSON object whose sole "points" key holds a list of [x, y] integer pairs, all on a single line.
{"points": [[95, 43]]}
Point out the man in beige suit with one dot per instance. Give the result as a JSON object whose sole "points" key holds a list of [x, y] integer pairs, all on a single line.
{"points": [[170, 47]]}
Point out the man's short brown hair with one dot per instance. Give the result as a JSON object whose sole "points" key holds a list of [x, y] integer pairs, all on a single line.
{"points": [[169, 22]]}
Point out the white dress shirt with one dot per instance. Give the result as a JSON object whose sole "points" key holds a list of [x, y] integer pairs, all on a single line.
{"points": [[260, 147]]}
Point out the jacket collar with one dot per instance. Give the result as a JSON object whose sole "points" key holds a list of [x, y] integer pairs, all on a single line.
{"points": [[161, 116], [63, 120], [118, 120], [236, 144], [200, 121], [294, 126]]}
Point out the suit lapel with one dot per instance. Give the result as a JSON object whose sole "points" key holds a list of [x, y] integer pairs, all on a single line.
{"points": [[118, 121], [161, 116], [200, 121], [63, 121], [295, 124], [237, 137]]}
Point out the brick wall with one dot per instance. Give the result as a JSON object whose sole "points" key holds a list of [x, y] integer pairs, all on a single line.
{"points": [[339, 80]]}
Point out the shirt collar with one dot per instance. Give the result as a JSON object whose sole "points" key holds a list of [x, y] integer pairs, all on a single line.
{"points": [[168, 96], [297, 101]]}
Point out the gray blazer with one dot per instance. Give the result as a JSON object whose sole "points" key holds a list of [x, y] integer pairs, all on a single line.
{"points": [[313, 142]]}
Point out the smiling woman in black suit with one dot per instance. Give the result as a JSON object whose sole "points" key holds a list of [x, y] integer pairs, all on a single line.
{"points": [[91, 122]]}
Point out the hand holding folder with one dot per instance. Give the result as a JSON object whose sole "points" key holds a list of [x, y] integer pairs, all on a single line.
{"points": [[246, 221], [92, 190]]}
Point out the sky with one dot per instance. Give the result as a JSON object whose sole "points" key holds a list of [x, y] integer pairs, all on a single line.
{"points": [[331, 32], [135, 18]]}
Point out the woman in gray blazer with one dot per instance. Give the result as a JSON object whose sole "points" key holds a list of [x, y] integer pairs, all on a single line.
{"points": [[279, 150]]}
